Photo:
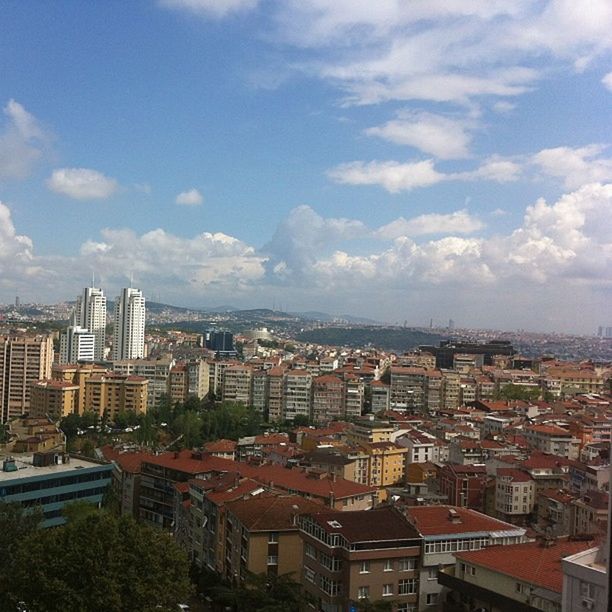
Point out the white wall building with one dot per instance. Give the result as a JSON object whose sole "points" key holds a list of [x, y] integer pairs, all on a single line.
{"points": [[128, 335], [77, 344], [90, 314]]}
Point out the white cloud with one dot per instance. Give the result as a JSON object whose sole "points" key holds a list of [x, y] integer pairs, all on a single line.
{"points": [[458, 222], [22, 142], [442, 50], [396, 176], [443, 137], [574, 166], [392, 175], [607, 81], [192, 197], [211, 8], [82, 184]]}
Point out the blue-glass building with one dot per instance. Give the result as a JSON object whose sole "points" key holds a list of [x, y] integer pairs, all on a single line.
{"points": [[51, 480]]}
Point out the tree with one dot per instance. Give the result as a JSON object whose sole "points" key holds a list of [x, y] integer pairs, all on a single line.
{"points": [[99, 562], [518, 392], [16, 523]]}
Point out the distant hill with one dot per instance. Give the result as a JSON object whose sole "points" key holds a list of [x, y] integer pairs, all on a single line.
{"points": [[388, 338], [325, 317]]}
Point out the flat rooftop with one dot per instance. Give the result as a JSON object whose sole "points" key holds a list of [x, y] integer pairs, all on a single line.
{"points": [[26, 469]]}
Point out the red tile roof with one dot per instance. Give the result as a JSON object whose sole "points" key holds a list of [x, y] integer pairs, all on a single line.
{"points": [[531, 562], [435, 520]]}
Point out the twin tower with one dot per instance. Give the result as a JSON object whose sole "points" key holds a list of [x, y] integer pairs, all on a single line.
{"points": [[85, 338]]}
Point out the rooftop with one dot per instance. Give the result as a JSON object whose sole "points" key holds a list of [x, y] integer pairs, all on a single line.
{"points": [[26, 469]]}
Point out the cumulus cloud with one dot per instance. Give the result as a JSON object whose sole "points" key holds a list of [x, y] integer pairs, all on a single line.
{"points": [[22, 142], [574, 166], [458, 222], [211, 8], [607, 81], [82, 184], [192, 197], [443, 137]]}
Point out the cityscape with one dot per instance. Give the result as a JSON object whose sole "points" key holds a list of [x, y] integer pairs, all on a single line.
{"points": [[306, 305]]}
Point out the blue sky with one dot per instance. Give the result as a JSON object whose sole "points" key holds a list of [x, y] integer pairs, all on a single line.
{"points": [[398, 160]]}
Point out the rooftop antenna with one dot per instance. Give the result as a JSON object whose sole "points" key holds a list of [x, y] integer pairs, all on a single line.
{"points": [[93, 279]]}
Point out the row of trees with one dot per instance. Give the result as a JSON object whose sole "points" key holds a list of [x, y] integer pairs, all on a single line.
{"points": [[95, 562]]}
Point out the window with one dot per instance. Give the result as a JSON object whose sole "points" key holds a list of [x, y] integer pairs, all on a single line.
{"points": [[272, 559], [432, 598], [404, 607], [432, 573], [309, 574], [406, 564], [387, 590], [363, 592], [586, 589], [310, 551], [388, 565], [273, 537], [472, 570], [365, 567], [407, 586]]}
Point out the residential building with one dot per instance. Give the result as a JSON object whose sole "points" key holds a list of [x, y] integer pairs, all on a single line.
{"points": [[238, 384], [128, 333], [262, 536], [52, 480], [514, 495], [464, 485], [379, 396], [109, 394], [90, 314], [328, 398], [354, 557], [447, 530], [407, 388], [156, 371], [523, 577], [552, 439], [24, 359], [585, 581], [53, 398], [354, 396], [77, 344], [297, 394]]}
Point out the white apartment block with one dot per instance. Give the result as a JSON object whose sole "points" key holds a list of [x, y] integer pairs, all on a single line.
{"points": [[77, 344]]}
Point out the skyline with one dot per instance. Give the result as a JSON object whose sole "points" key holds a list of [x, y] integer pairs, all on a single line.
{"points": [[389, 161]]}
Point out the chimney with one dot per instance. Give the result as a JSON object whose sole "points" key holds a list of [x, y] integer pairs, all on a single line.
{"points": [[453, 516]]}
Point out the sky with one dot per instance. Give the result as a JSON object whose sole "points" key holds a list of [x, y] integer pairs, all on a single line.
{"points": [[403, 160]]}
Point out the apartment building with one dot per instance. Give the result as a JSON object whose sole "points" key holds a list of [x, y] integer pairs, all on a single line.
{"points": [[355, 557], [77, 375], [297, 394], [156, 371], [463, 485], [523, 577], [379, 396], [53, 398], [178, 383], [109, 394], [24, 359], [553, 440], [238, 384], [328, 399], [407, 388], [262, 536], [354, 396], [514, 495], [447, 530]]}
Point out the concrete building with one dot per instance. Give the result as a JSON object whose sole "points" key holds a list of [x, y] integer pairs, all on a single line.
{"points": [[77, 344], [262, 536], [24, 359], [51, 480], [447, 530], [128, 333], [53, 398], [156, 371], [109, 394], [585, 581], [351, 558], [553, 440], [328, 399], [525, 577], [407, 388], [238, 384], [297, 394], [90, 314], [514, 495]]}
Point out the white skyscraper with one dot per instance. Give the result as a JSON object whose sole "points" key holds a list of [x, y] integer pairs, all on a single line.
{"points": [[90, 314], [128, 336], [77, 344]]}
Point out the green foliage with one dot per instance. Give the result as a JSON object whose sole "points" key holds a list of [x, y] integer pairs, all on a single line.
{"points": [[261, 592], [16, 524], [518, 392], [99, 562]]}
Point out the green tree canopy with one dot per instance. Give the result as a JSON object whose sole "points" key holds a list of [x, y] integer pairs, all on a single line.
{"points": [[99, 562]]}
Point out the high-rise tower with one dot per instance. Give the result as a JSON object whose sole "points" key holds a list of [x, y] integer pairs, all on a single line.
{"points": [[90, 314], [128, 335]]}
